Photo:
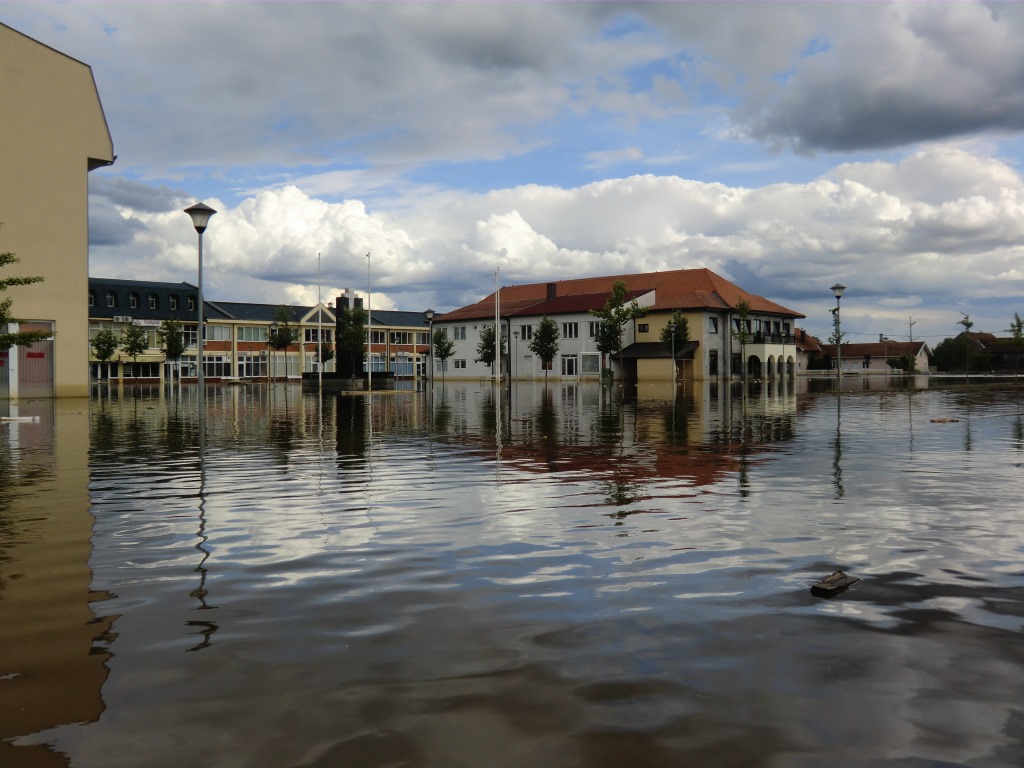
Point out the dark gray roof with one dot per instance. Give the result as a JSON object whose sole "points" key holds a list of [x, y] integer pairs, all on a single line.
{"points": [[123, 290], [262, 313], [398, 318], [215, 310], [644, 350]]}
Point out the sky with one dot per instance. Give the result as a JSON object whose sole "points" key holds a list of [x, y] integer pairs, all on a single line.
{"points": [[785, 146]]}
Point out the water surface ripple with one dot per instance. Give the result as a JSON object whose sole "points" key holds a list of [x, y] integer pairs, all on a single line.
{"points": [[544, 576]]}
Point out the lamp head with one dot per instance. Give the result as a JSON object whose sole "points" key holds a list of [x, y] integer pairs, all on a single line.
{"points": [[200, 213], [430, 315], [838, 289]]}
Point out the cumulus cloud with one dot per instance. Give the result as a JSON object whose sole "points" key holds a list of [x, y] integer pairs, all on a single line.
{"points": [[899, 74], [871, 226]]}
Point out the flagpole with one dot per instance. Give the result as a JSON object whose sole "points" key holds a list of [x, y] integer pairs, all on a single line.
{"points": [[497, 327], [369, 323], [319, 329]]}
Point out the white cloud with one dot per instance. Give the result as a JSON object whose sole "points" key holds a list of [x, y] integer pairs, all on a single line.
{"points": [[862, 224]]}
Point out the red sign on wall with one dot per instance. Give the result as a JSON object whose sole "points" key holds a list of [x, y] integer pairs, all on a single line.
{"points": [[35, 355]]}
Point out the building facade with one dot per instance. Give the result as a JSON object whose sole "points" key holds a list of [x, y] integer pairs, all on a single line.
{"points": [[238, 336], [54, 133], [719, 316]]}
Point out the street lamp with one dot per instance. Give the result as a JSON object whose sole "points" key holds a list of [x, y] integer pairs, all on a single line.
{"points": [[200, 213], [672, 335], [430, 344], [837, 291], [515, 371]]}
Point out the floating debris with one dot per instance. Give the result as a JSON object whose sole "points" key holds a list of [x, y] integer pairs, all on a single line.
{"points": [[833, 584], [945, 421]]}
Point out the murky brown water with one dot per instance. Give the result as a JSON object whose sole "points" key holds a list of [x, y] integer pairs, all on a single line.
{"points": [[554, 577]]}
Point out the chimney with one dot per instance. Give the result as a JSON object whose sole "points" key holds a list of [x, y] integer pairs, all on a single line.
{"points": [[552, 291]]}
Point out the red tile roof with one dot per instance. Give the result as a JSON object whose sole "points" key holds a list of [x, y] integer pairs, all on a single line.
{"points": [[693, 289], [877, 349]]}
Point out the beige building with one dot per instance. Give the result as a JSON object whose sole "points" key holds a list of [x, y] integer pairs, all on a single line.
{"points": [[54, 133]]}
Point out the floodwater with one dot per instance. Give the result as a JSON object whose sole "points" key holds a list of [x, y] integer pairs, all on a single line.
{"points": [[562, 576]]}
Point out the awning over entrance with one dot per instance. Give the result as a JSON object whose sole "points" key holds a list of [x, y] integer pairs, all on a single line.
{"points": [[648, 350]]}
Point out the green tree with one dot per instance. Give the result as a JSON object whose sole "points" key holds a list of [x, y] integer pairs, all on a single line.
{"points": [[742, 335], [1017, 337], [284, 335], [350, 340], [172, 340], [443, 348], [134, 341], [613, 316], [485, 349], [545, 342], [966, 322], [104, 345], [675, 333], [21, 338]]}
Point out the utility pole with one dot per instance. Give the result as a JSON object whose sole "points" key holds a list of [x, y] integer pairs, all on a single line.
{"points": [[910, 327]]}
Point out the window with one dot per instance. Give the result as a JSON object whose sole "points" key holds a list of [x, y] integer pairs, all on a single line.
{"points": [[643, 328], [785, 328], [111, 299], [174, 301], [191, 304], [757, 326], [311, 335], [713, 324], [152, 301], [713, 362], [133, 300], [252, 333], [217, 332], [378, 337], [423, 337], [590, 364], [460, 364], [527, 332], [142, 370], [545, 365], [401, 337], [189, 331], [459, 334], [568, 365], [592, 328], [570, 330], [92, 299]]}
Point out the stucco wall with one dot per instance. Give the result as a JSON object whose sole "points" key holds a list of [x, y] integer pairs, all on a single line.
{"points": [[53, 125]]}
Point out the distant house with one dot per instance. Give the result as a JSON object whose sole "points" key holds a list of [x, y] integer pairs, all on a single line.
{"points": [[54, 133], [709, 302], [872, 357], [807, 348]]}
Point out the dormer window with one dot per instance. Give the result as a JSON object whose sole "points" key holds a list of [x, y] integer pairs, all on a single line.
{"points": [[111, 299], [92, 298], [133, 300], [174, 301], [152, 301], [191, 304]]}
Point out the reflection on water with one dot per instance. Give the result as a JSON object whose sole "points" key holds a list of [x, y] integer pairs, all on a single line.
{"points": [[52, 659], [562, 575]]}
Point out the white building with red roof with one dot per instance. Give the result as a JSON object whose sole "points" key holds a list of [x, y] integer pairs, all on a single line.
{"points": [[710, 303]]}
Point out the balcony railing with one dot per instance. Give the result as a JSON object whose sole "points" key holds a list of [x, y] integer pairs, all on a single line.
{"points": [[774, 338]]}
